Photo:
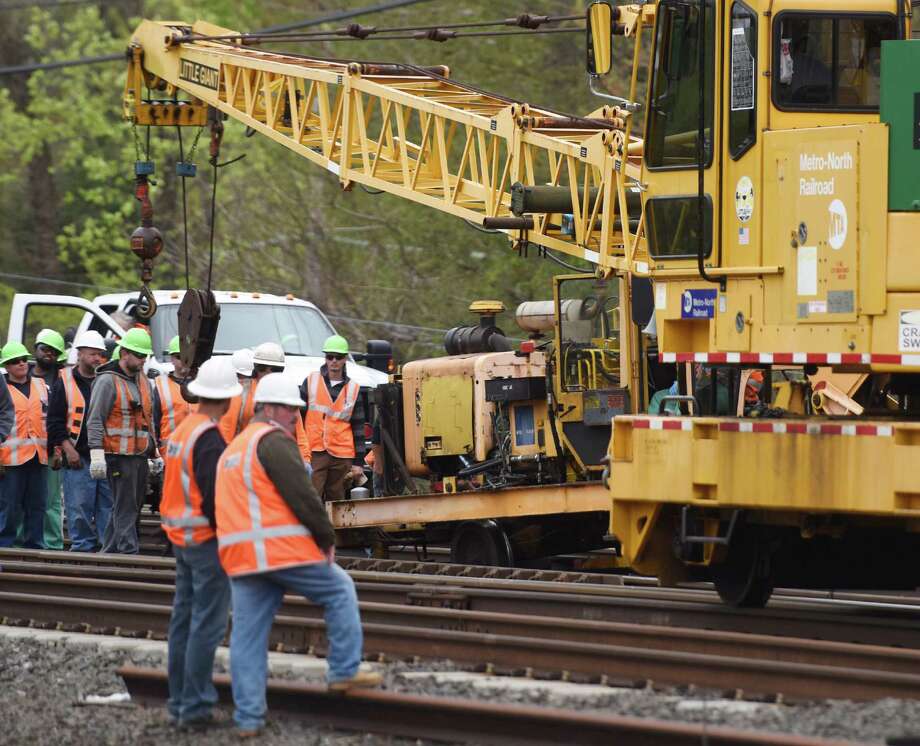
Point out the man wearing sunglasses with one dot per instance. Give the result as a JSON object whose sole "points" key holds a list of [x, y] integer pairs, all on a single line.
{"points": [[119, 433], [24, 454], [334, 422]]}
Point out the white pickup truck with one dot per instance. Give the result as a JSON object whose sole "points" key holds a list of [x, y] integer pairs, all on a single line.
{"points": [[246, 320]]}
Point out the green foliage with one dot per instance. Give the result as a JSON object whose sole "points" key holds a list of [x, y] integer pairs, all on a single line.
{"points": [[282, 225]]}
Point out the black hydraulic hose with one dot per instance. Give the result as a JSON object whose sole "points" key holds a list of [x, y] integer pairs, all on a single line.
{"points": [[479, 468]]}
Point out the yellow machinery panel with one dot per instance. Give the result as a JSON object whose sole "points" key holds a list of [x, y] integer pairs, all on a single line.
{"points": [[445, 409], [437, 409], [903, 267], [809, 466], [825, 187], [446, 425]]}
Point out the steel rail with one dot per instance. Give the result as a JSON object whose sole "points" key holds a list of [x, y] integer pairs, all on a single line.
{"points": [[618, 663], [449, 719], [469, 574], [729, 644], [891, 625]]}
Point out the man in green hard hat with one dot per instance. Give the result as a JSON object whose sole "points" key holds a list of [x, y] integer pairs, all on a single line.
{"points": [[49, 346], [120, 436], [334, 423], [24, 454], [50, 354]]}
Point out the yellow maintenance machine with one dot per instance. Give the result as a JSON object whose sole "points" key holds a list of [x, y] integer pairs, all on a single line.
{"points": [[516, 437], [768, 215]]}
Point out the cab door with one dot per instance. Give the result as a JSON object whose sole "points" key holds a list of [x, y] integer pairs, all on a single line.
{"points": [[742, 212]]}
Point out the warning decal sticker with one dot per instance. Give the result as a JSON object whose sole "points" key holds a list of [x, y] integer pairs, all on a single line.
{"points": [[909, 331]]}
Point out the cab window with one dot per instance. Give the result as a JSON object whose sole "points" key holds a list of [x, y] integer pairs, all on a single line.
{"points": [[676, 89], [825, 61], [742, 116]]}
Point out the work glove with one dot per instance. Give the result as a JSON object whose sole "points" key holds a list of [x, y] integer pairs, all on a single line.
{"points": [[155, 465], [97, 463], [308, 467]]}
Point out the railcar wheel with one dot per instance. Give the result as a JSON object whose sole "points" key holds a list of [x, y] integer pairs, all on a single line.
{"points": [[745, 578], [481, 543]]}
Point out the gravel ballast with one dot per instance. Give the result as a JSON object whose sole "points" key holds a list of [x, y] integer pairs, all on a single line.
{"points": [[43, 682]]}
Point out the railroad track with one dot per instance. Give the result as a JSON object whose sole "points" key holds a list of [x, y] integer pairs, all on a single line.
{"points": [[449, 719], [874, 620], [620, 653]]}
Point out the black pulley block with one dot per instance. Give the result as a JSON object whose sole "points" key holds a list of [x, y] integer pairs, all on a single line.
{"points": [[199, 316]]}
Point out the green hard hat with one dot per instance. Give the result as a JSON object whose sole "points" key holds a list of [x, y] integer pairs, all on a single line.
{"points": [[137, 341], [12, 351], [51, 338], [336, 343], [173, 348], [62, 358]]}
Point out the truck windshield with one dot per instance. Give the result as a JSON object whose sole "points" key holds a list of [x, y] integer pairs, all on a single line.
{"points": [[673, 119], [298, 329]]}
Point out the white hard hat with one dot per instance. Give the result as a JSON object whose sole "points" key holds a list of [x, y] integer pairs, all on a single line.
{"points": [[268, 353], [216, 379], [277, 388], [242, 361], [91, 339]]}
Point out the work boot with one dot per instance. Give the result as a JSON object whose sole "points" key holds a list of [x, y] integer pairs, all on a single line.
{"points": [[361, 680]]}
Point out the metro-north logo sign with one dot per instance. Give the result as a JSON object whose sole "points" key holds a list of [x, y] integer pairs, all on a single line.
{"points": [[195, 72]]}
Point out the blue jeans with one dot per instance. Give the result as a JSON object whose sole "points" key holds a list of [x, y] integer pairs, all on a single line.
{"points": [[257, 597], [196, 627], [88, 506], [22, 501]]}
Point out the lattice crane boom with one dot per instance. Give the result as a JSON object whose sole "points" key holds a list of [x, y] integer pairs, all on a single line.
{"points": [[411, 132]]}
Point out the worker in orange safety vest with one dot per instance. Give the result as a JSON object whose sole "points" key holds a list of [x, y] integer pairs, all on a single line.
{"points": [[275, 536], [241, 406], [169, 406], [334, 422], [187, 509], [24, 454], [119, 433]]}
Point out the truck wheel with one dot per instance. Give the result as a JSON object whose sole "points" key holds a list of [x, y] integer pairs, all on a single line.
{"points": [[745, 578], [481, 543]]}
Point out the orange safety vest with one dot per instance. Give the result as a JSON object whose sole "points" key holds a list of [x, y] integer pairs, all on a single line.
{"points": [[242, 409], [76, 404], [329, 423], [127, 428], [173, 408], [180, 507], [753, 387], [28, 436], [256, 530]]}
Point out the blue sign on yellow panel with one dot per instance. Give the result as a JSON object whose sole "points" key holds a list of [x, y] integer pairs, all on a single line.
{"points": [[698, 304]]}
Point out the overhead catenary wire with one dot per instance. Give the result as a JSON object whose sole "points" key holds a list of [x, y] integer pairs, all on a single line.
{"points": [[343, 15], [119, 56], [44, 4]]}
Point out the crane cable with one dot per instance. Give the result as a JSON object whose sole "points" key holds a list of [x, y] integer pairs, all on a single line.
{"points": [[184, 209], [527, 21]]}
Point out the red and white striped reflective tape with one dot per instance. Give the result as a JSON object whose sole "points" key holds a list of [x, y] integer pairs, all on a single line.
{"points": [[767, 426], [791, 358], [663, 423]]}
